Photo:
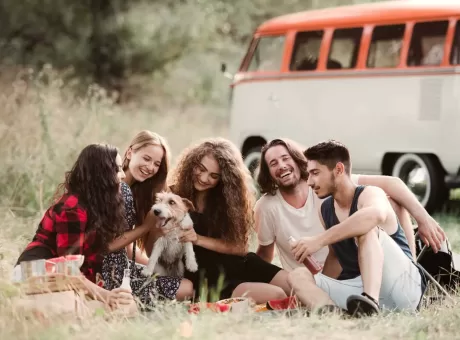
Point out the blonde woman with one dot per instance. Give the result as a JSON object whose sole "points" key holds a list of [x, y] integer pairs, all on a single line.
{"points": [[146, 165]]}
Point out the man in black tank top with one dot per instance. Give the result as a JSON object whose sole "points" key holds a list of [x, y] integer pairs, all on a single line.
{"points": [[370, 265]]}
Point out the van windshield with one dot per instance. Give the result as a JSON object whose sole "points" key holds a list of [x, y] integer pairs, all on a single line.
{"points": [[268, 54]]}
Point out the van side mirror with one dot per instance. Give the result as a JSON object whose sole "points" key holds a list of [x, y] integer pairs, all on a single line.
{"points": [[223, 69]]}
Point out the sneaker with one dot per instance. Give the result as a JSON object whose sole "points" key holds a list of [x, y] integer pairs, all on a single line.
{"points": [[362, 305]]}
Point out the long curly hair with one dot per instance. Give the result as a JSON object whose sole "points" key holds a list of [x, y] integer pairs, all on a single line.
{"points": [[144, 192], [265, 181], [93, 179], [229, 204]]}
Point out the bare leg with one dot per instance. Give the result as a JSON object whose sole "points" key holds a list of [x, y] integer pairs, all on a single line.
{"points": [[306, 290], [259, 292], [406, 223], [281, 279], [185, 290], [370, 258]]}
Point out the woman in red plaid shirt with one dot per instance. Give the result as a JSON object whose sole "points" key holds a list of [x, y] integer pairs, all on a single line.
{"points": [[86, 218]]}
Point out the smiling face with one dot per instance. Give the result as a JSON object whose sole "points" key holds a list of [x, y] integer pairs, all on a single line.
{"points": [[282, 167], [145, 161], [321, 179], [206, 174]]}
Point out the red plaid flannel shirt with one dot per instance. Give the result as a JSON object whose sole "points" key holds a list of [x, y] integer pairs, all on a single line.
{"points": [[63, 230]]}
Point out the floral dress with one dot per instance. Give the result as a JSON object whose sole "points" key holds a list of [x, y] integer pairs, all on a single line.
{"points": [[144, 288]]}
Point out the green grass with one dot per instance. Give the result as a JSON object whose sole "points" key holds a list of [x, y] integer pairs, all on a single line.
{"points": [[440, 321]]}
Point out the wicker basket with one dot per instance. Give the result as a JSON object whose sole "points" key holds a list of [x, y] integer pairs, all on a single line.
{"points": [[52, 283]]}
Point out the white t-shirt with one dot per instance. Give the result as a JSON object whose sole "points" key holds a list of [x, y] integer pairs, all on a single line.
{"points": [[276, 220]]}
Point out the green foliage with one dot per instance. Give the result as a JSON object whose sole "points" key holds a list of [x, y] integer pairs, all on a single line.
{"points": [[110, 41]]}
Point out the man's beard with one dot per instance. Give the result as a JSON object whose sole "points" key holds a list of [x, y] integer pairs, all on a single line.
{"points": [[288, 188]]}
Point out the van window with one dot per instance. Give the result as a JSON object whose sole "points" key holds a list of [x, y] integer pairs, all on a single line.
{"points": [[427, 43], [268, 54], [306, 51], [344, 49], [385, 46], [455, 52]]}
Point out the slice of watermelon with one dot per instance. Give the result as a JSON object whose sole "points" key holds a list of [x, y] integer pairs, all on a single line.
{"points": [[195, 308], [287, 303]]}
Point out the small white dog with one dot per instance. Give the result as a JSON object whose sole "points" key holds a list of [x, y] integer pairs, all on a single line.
{"points": [[168, 252]]}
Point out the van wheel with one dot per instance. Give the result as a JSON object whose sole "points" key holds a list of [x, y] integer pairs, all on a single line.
{"points": [[252, 160], [424, 176]]}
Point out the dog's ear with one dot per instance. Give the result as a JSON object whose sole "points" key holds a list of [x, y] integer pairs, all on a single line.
{"points": [[188, 204]]}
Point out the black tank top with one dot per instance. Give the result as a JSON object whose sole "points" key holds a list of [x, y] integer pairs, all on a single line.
{"points": [[347, 250]]}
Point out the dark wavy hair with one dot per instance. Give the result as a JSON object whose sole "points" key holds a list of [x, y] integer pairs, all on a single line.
{"points": [[93, 179], [229, 204], [264, 179]]}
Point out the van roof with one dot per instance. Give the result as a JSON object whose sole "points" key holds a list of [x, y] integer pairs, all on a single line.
{"points": [[352, 15]]}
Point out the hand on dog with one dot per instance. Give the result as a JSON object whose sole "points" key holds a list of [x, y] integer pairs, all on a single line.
{"points": [[151, 219], [188, 235]]}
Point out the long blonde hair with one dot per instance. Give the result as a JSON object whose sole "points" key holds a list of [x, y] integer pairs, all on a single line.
{"points": [[144, 192]]}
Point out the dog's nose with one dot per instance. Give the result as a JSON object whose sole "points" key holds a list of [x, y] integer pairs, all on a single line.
{"points": [[156, 212]]}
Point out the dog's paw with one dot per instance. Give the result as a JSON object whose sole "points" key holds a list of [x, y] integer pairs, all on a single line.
{"points": [[191, 266], [147, 272]]}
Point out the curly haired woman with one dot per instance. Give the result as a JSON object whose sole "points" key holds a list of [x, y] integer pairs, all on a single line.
{"points": [[146, 163], [212, 175], [87, 216]]}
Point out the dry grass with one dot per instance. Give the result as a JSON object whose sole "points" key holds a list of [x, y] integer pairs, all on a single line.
{"points": [[43, 127], [173, 322]]}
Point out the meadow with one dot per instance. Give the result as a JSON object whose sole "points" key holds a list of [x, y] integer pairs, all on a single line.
{"points": [[43, 126]]}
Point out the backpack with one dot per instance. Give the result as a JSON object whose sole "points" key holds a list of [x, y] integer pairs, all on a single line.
{"points": [[443, 266]]}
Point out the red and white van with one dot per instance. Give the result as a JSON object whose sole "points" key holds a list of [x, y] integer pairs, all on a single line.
{"points": [[382, 78]]}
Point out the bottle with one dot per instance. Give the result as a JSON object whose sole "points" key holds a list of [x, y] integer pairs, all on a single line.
{"points": [[310, 262], [126, 283]]}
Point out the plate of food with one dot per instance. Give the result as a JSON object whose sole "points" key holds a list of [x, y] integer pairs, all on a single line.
{"points": [[238, 304], [195, 308]]}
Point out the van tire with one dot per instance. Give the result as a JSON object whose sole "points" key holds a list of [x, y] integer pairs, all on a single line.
{"points": [[436, 192], [251, 160]]}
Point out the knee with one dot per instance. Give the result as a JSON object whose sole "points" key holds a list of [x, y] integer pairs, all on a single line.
{"points": [[185, 290], [279, 294], [370, 241], [370, 236], [241, 290], [299, 277]]}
